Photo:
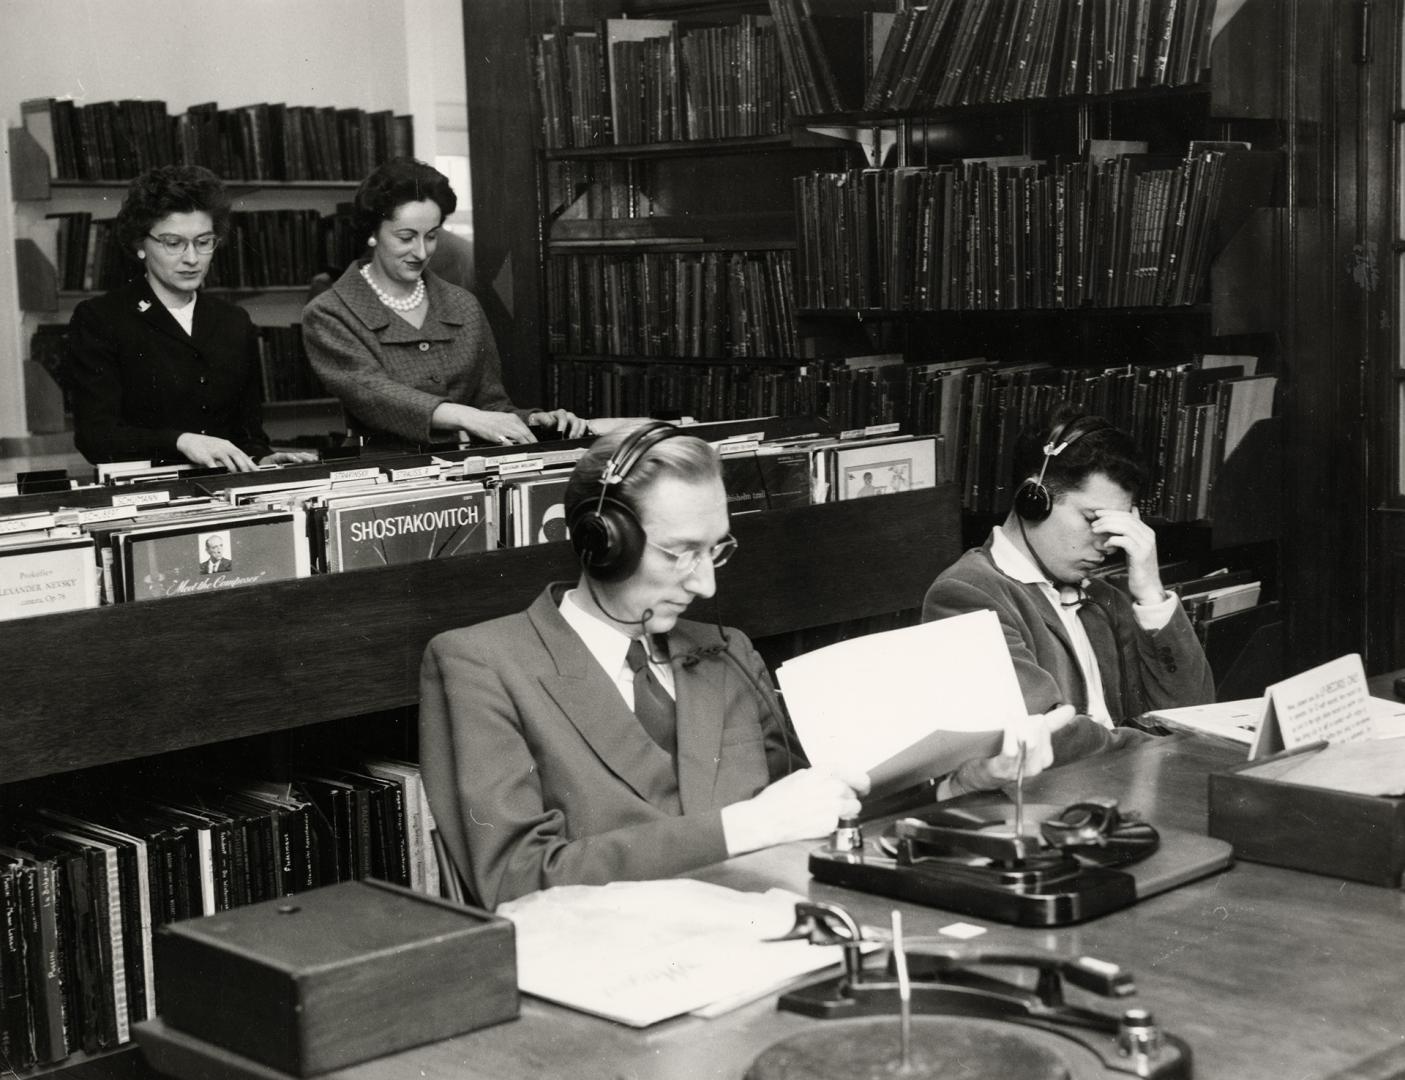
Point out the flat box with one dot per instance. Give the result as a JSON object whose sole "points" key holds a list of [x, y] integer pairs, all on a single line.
{"points": [[337, 975], [1359, 837]]}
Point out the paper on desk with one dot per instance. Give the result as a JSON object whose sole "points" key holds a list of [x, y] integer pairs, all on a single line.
{"points": [[1238, 720], [638, 952], [908, 704], [1365, 767], [1233, 720]]}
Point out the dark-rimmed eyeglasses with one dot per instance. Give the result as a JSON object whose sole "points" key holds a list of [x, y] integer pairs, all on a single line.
{"points": [[685, 562], [172, 244]]}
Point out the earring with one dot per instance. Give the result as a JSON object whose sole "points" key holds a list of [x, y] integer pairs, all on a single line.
{"points": [[141, 255], [371, 242]]}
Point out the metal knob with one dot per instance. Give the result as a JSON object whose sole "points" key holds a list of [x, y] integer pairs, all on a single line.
{"points": [[847, 836], [1138, 1035]]}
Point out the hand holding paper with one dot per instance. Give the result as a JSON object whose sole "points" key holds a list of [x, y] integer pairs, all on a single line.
{"points": [[801, 806], [911, 704]]}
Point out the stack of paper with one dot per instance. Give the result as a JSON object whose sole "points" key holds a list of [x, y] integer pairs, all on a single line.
{"points": [[638, 952]]}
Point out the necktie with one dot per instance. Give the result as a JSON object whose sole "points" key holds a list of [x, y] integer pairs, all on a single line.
{"points": [[652, 705]]}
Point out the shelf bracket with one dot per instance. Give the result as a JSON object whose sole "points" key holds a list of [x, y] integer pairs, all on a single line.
{"points": [[875, 142]]}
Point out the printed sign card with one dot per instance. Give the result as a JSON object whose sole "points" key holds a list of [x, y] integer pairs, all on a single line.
{"points": [[1328, 703]]}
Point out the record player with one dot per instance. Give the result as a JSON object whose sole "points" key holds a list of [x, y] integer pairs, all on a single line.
{"points": [[1045, 866], [922, 1009]]}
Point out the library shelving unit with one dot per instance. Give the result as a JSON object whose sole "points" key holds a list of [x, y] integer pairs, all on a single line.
{"points": [[39, 194], [677, 193]]}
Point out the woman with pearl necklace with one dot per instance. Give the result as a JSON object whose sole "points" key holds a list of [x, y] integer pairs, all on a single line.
{"points": [[412, 357]]}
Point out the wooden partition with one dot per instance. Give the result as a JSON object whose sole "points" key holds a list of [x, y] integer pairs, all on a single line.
{"points": [[126, 681]]}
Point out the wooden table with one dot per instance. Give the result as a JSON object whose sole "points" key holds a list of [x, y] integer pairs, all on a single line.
{"points": [[1266, 973]]}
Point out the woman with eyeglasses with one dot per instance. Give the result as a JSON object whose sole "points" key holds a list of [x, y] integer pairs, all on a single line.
{"points": [[411, 357], [158, 369]]}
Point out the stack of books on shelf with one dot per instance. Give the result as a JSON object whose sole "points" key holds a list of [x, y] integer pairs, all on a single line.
{"points": [[1129, 230], [672, 304], [629, 82], [264, 248], [115, 140], [1187, 419], [287, 372], [86, 880], [944, 52]]}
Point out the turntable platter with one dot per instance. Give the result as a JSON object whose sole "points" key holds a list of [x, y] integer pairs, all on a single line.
{"points": [[943, 1048]]}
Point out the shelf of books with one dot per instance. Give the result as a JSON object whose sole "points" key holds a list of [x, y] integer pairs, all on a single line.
{"points": [[213, 744]]}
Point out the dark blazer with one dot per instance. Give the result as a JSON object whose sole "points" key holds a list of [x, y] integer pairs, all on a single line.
{"points": [[539, 775], [140, 381], [1140, 670], [390, 375], [220, 567]]}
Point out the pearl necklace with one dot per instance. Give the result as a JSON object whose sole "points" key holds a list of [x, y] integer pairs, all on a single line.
{"points": [[414, 300]]}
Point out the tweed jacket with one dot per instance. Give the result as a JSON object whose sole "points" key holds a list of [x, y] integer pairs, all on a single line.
{"points": [[1140, 670], [539, 774], [139, 381], [390, 375]]}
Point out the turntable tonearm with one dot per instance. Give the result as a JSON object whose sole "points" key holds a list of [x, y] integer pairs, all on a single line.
{"points": [[966, 1022]]}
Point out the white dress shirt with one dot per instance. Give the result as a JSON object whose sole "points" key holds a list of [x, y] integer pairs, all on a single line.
{"points": [[608, 644], [1014, 563]]}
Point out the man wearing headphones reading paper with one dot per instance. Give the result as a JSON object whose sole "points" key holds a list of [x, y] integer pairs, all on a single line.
{"points": [[1077, 640], [600, 736]]}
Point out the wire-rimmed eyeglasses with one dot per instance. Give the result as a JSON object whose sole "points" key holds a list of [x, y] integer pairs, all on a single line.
{"points": [[688, 560]]}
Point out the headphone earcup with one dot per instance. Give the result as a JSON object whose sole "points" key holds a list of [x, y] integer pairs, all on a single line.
{"points": [[609, 541], [1032, 501]]}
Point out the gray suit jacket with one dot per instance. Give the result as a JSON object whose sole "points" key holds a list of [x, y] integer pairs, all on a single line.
{"points": [[539, 775], [390, 375]]}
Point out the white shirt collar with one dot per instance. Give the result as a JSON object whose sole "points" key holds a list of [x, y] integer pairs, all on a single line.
{"points": [[606, 643], [1013, 562]]}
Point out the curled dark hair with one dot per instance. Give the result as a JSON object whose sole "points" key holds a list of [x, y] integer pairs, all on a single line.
{"points": [[165, 190], [397, 182], [1102, 449]]}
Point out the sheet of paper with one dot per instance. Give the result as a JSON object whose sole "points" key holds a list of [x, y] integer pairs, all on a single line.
{"points": [[639, 952], [907, 704], [1327, 703], [1387, 718], [1364, 766], [1236, 721]]}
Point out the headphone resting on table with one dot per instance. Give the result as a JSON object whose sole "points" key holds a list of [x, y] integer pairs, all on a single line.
{"points": [[606, 534], [1032, 499]]}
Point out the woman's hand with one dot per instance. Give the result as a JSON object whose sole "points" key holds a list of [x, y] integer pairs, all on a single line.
{"points": [[212, 452], [288, 457], [495, 427], [568, 424]]}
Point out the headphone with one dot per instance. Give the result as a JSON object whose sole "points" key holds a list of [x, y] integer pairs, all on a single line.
{"points": [[1032, 499], [606, 533]]}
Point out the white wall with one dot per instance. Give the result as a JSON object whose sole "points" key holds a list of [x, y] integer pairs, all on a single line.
{"points": [[370, 54]]}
